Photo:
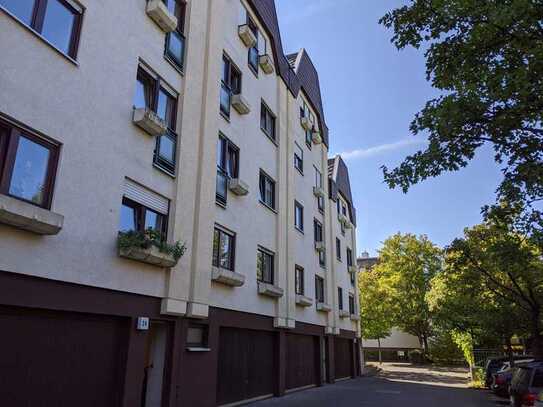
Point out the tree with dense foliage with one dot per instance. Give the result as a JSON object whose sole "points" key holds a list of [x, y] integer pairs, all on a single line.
{"points": [[504, 271], [375, 316], [487, 58], [407, 264]]}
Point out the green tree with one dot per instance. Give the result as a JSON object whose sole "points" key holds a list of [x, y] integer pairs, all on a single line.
{"points": [[406, 267], [504, 271], [486, 56], [375, 315]]}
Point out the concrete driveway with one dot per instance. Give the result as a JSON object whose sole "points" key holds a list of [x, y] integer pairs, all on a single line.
{"points": [[398, 385]]}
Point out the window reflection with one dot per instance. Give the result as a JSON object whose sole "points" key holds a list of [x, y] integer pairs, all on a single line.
{"points": [[30, 171], [58, 24], [22, 9]]}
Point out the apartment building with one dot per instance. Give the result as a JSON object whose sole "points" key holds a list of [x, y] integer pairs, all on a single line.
{"points": [[172, 230]]}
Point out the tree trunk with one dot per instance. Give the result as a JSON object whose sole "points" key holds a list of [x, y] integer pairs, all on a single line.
{"points": [[379, 347], [425, 340], [509, 351], [537, 343]]}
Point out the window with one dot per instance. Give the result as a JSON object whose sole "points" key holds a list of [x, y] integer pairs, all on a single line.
{"points": [[175, 40], [298, 216], [319, 289], [351, 304], [349, 257], [308, 138], [267, 190], [224, 245], [197, 335], [352, 277], [264, 266], [299, 280], [298, 158], [306, 112], [227, 167], [253, 51], [58, 21], [338, 249], [137, 217], [342, 226], [317, 226], [153, 94], [319, 184], [340, 298], [230, 84], [28, 165], [267, 121]]}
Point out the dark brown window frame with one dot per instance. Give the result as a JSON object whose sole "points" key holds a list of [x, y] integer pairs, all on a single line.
{"points": [[298, 205], [340, 298], [351, 304], [260, 274], [349, 257], [265, 177], [205, 335], [299, 284], [338, 249], [157, 85], [265, 113], [9, 142], [319, 289], [179, 31], [37, 20], [232, 254], [299, 161], [254, 28], [227, 85], [140, 211], [223, 170]]}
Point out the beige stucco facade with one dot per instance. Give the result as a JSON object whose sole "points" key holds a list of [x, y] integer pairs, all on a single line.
{"points": [[86, 105]]}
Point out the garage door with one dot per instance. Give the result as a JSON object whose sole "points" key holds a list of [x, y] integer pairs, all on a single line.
{"points": [[302, 357], [343, 357], [246, 365], [59, 359]]}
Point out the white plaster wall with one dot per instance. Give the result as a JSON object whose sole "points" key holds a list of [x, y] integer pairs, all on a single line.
{"points": [[88, 109], [397, 339]]}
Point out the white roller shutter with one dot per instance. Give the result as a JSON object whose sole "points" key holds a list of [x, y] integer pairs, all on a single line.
{"points": [[146, 197]]}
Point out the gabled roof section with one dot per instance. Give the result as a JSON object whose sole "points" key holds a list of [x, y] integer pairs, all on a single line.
{"points": [[305, 76], [339, 174]]}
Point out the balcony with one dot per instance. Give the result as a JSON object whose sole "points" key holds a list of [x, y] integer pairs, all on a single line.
{"points": [[306, 123], [316, 137], [227, 277], [240, 104], [149, 121], [344, 220], [26, 216], [149, 255], [266, 63], [343, 313], [270, 290], [247, 36], [159, 13], [323, 307], [303, 301], [319, 192], [238, 187]]}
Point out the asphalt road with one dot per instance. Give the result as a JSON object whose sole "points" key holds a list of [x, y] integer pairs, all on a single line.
{"points": [[397, 386]]}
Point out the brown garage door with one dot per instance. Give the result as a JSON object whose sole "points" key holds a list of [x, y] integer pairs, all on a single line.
{"points": [[343, 357], [302, 360], [59, 359], [246, 365]]}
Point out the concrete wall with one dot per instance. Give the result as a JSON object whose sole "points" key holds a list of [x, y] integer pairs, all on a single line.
{"points": [[396, 340]]}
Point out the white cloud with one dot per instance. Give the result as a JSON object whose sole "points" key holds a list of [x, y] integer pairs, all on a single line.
{"points": [[380, 149]]}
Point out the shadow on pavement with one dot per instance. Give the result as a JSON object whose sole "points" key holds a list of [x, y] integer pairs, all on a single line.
{"points": [[423, 377]]}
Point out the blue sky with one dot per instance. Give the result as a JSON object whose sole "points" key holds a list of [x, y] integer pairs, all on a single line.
{"points": [[371, 92]]}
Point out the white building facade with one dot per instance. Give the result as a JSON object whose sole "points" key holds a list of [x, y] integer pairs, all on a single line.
{"points": [[126, 127]]}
